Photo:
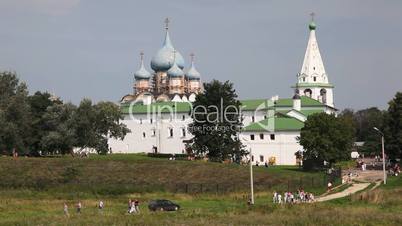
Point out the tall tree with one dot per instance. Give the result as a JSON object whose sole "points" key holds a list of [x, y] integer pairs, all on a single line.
{"points": [[364, 121], [94, 123], [58, 129], [39, 103], [393, 129], [216, 121], [15, 116], [326, 138]]}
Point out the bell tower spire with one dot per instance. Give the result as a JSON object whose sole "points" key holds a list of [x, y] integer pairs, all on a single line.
{"points": [[312, 80]]}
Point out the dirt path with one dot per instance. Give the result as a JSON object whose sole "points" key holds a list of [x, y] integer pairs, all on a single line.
{"points": [[364, 177], [353, 189]]}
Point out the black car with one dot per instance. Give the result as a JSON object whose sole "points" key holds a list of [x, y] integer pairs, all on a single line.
{"points": [[163, 205]]}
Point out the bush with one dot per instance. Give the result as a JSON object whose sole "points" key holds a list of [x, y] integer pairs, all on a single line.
{"points": [[164, 155]]}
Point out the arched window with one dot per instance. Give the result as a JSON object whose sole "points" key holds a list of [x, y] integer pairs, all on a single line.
{"points": [[323, 94], [308, 92]]}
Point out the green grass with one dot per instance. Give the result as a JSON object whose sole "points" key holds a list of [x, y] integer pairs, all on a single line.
{"points": [[33, 208], [393, 182], [124, 173], [27, 202]]}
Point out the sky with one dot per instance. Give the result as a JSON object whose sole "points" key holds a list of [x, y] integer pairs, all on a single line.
{"points": [[90, 48]]}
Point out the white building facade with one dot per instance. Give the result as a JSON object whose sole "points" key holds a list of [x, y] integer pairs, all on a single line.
{"points": [[271, 126]]}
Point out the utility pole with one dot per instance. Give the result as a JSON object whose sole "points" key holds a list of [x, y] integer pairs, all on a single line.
{"points": [[383, 154], [251, 178], [251, 175]]}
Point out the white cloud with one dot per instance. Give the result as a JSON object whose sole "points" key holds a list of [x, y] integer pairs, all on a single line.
{"points": [[49, 7]]}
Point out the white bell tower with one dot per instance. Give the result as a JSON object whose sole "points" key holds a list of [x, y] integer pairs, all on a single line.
{"points": [[312, 81]]}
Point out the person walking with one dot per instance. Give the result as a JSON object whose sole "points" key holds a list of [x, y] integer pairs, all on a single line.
{"points": [[101, 205], [137, 206], [65, 210], [131, 208], [79, 207], [279, 198]]}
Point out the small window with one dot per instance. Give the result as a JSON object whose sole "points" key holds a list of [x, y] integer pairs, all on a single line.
{"points": [[252, 158], [183, 132], [171, 132], [252, 119], [261, 136], [265, 117], [143, 135], [153, 132], [151, 121], [183, 117], [313, 68], [140, 120], [251, 136], [315, 79], [261, 158], [304, 79], [272, 136]]}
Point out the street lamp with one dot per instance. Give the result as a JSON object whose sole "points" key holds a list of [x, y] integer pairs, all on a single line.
{"points": [[383, 153], [251, 175]]}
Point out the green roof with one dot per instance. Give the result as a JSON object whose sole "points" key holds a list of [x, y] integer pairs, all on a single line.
{"points": [[247, 105], [163, 107], [279, 124], [256, 104], [305, 102]]}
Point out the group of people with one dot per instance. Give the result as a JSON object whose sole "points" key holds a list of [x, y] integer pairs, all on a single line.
{"points": [[78, 207], [288, 197], [133, 207], [362, 165]]}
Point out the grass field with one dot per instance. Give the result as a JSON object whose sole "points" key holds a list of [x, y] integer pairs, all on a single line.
{"points": [[126, 173], [25, 204]]}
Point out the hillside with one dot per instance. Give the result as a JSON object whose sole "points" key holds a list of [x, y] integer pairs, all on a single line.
{"points": [[124, 173]]}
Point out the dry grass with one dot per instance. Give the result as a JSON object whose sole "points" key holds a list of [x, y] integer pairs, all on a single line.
{"points": [[202, 210]]}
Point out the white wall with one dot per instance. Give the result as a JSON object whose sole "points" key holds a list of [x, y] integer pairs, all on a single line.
{"points": [[248, 117], [135, 142], [283, 148]]}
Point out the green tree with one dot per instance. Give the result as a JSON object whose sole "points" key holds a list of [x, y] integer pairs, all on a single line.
{"points": [[15, 116], [364, 121], [58, 129], [39, 103], [326, 138], [93, 125], [216, 122], [393, 130]]}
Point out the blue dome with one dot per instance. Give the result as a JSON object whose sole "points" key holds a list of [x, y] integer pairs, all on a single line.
{"points": [[175, 71], [142, 73], [192, 73], [163, 59]]}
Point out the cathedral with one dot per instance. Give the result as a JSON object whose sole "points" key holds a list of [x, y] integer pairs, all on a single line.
{"points": [[169, 80], [158, 111]]}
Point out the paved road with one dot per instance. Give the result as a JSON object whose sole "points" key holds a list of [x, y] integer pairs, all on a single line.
{"points": [[350, 190]]}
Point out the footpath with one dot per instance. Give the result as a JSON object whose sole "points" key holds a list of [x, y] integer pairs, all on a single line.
{"points": [[361, 180]]}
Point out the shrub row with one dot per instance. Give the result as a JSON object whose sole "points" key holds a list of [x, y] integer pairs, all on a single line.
{"points": [[164, 155]]}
